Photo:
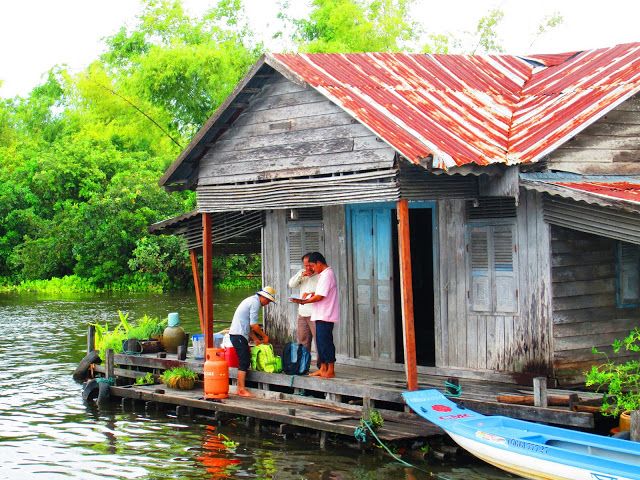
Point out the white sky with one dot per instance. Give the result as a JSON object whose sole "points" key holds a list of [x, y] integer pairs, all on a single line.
{"points": [[35, 35]]}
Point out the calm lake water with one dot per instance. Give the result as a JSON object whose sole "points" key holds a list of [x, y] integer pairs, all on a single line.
{"points": [[46, 431]]}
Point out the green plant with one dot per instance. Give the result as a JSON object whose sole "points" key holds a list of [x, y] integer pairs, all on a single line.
{"points": [[182, 378], [112, 339], [148, 379], [147, 327], [620, 381]]}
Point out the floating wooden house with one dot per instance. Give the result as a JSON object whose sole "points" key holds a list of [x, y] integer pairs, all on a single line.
{"points": [[480, 212]]}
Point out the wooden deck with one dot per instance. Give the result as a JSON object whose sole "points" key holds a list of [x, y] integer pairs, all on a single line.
{"points": [[335, 405], [284, 409]]}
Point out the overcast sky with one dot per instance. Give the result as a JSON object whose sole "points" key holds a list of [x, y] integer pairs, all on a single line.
{"points": [[35, 35]]}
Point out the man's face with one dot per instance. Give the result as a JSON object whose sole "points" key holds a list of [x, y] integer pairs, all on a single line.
{"points": [[316, 267], [307, 266]]}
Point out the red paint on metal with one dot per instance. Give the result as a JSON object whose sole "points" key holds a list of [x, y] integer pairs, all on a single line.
{"points": [[473, 109], [629, 192]]}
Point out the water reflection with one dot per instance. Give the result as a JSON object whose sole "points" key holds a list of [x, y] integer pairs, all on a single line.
{"points": [[46, 432]]}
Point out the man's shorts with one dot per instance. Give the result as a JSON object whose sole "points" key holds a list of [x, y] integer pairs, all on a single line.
{"points": [[242, 350]]}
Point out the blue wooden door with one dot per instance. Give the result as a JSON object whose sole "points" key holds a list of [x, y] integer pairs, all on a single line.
{"points": [[373, 282]]}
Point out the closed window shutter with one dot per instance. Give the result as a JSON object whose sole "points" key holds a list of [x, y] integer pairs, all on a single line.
{"points": [[503, 267], [303, 239], [295, 247], [629, 273], [480, 272]]}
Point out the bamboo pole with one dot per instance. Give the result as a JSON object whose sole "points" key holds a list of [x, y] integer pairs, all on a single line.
{"points": [[406, 291], [197, 285], [207, 274]]}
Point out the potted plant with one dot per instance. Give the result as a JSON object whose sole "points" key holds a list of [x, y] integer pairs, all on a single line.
{"points": [[180, 378], [619, 381]]}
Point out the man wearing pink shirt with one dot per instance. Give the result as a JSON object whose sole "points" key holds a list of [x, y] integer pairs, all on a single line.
{"points": [[325, 313]]}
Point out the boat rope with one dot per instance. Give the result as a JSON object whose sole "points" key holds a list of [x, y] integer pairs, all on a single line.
{"points": [[361, 435], [452, 389]]}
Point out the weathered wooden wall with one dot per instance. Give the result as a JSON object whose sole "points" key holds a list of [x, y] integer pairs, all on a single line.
{"points": [[584, 302], [279, 322], [290, 131], [281, 317], [467, 339], [610, 146]]}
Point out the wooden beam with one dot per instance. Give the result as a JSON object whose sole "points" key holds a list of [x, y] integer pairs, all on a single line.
{"points": [[198, 286], [207, 278], [91, 338], [406, 291]]}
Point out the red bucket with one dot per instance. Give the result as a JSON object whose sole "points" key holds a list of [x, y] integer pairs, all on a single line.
{"points": [[231, 357]]}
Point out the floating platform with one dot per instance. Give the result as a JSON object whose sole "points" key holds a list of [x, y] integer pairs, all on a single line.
{"points": [[330, 405]]}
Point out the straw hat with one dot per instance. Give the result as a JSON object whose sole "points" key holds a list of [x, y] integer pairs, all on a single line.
{"points": [[269, 293]]}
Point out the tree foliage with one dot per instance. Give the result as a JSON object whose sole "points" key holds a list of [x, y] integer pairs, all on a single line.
{"points": [[349, 26], [81, 154]]}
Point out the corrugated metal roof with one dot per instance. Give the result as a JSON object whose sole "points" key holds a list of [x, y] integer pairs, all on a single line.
{"points": [[472, 109], [629, 192], [614, 191]]}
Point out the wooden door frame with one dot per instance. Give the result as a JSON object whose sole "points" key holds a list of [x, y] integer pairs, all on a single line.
{"points": [[350, 330]]}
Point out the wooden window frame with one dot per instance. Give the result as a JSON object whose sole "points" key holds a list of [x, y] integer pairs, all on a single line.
{"points": [[492, 306], [622, 302]]}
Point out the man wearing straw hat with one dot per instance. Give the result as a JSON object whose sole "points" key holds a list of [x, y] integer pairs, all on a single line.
{"points": [[245, 321]]}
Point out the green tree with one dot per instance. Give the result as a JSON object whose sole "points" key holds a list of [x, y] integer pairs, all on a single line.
{"points": [[346, 26]]}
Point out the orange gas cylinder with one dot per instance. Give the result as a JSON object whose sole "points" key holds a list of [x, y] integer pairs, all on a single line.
{"points": [[216, 374]]}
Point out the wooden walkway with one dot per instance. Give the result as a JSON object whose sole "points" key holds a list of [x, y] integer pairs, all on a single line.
{"points": [[336, 405], [284, 409]]}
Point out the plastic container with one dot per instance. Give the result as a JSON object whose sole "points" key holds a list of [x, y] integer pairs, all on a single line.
{"points": [[231, 357], [197, 340], [217, 340], [216, 375], [173, 319]]}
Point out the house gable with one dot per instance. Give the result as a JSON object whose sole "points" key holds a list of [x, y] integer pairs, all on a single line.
{"points": [[289, 131], [610, 145]]}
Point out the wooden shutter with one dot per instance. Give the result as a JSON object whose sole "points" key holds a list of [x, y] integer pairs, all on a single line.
{"points": [[504, 269], [303, 238], [494, 280], [480, 269], [628, 274]]}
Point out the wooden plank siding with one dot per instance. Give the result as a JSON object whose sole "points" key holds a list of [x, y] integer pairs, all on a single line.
{"points": [[609, 146], [291, 131], [281, 317], [584, 302], [519, 343]]}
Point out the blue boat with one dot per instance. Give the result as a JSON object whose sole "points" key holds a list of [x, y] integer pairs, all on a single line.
{"points": [[529, 449]]}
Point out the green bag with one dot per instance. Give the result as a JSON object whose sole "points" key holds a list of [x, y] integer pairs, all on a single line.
{"points": [[264, 360]]}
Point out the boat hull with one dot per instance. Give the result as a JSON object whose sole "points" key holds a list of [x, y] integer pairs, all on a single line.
{"points": [[531, 450], [526, 466]]}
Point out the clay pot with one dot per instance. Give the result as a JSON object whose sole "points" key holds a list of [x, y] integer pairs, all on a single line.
{"points": [[172, 338], [625, 421]]}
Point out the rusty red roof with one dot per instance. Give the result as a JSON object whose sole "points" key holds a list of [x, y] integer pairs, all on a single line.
{"points": [[472, 109], [627, 191]]}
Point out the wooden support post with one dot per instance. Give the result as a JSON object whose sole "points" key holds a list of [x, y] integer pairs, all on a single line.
{"points": [[323, 440], [207, 278], [91, 338], [109, 364], [634, 434], [406, 294], [198, 286], [540, 392]]}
